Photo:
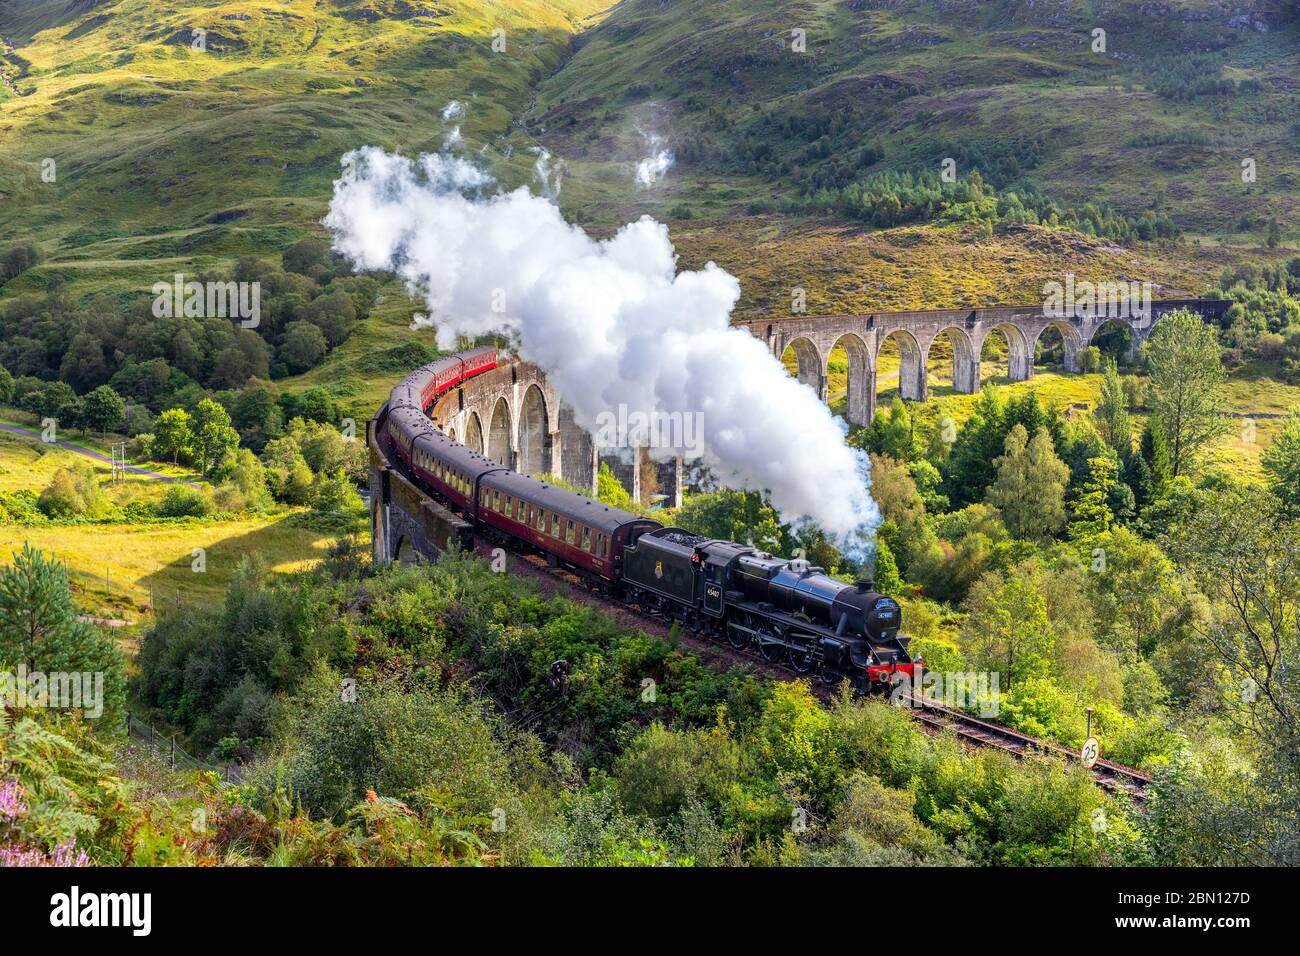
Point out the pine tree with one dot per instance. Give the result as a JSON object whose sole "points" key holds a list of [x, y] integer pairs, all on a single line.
{"points": [[1155, 451], [40, 629], [1092, 512], [36, 609], [888, 581], [1112, 411]]}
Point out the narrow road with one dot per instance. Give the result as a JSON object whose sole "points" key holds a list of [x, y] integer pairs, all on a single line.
{"points": [[89, 453]]}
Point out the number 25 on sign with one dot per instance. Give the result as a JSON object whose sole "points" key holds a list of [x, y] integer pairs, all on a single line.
{"points": [[1089, 753]]}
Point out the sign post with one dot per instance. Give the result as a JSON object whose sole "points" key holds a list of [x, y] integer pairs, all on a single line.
{"points": [[1091, 750]]}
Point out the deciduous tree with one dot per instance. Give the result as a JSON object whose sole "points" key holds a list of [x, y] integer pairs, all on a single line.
{"points": [[173, 434], [1030, 487], [1187, 378]]}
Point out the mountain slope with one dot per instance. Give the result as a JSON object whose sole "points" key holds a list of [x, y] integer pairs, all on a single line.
{"points": [[1182, 93], [164, 151]]}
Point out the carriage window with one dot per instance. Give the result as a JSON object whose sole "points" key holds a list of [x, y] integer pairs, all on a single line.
{"points": [[586, 539], [510, 506], [496, 501], [568, 532], [604, 546], [541, 520]]}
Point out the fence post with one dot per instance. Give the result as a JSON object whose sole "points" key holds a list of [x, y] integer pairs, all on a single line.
{"points": [[173, 751], [151, 735]]}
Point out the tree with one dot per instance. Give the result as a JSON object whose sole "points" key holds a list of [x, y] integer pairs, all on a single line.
{"points": [[1007, 630], [1282, 460], [1274, 234], [732, 516], [1029, 490], [214, 436], [173, 434], [18, 260], [61, 499], [1155, 452], [304, 255], [40, 628], [6, 385], [104, 409], [1186, 385], [885, 572], [256, 415], [893, 433], [1092, 512], [1112, 411], [83, 364], [334, 494], [302, 347], [1245, 556]]}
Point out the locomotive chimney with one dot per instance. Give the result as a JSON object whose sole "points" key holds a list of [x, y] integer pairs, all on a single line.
{"points": [[866, 584]]}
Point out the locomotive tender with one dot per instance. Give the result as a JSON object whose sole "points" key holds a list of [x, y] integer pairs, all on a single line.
{"points": [[788, 611]]}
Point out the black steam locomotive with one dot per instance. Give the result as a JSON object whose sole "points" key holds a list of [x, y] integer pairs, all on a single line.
{"points": [[789, 612]]}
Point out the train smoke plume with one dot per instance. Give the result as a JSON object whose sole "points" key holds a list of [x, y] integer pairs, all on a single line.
{"points": [[613, 323]]}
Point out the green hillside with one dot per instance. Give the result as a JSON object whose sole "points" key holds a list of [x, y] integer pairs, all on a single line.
{"points": [[169, 158], [1165, 115], [167, 155]]}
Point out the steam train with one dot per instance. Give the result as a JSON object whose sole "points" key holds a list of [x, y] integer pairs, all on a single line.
{"points": [[789, 612]]}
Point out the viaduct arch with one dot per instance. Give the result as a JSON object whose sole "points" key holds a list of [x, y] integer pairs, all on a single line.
{"points": [[813, 338]]}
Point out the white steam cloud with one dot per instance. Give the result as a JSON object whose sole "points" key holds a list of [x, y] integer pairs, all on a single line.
{"points": [[549, 175], [653, 168], [613, 323]]}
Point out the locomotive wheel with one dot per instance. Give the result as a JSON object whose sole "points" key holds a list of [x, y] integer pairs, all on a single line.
{"points": [[737, 638], [827, 675], [771, 652], [801, 661]]}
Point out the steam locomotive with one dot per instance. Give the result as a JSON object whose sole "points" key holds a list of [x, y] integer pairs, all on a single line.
{"points": [[788, 611]]}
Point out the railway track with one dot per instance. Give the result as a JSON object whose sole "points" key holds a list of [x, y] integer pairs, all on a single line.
{"points": [[938, 718], [935, 718]]}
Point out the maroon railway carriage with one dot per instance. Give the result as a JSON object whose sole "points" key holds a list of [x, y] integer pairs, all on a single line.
{"points": [[571, 529], [449, 468]]}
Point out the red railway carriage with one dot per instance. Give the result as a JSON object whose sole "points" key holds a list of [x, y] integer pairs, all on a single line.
{"points": [[438, 377], [575, 530], [478, 360]]}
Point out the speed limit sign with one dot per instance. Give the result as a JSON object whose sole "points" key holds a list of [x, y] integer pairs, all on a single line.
{"points": [[1090, 752]]}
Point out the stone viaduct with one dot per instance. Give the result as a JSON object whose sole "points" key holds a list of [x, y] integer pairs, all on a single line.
{"points": [[812, 338], [515, 417]]}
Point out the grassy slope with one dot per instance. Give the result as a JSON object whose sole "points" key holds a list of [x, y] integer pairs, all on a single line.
{"points": [[912, 73], [154, 140], [136, 556]]}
